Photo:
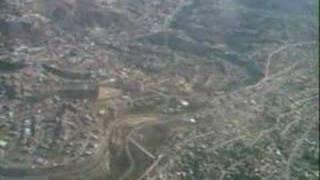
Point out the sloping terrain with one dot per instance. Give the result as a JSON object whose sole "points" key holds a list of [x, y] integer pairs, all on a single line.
{"points": [[159, 89]]}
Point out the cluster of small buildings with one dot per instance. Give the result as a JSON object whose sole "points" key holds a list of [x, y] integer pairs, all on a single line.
{"points": [[49, 134]]}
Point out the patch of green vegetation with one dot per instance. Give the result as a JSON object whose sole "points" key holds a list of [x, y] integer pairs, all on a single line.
{"points": [[7, 66]]}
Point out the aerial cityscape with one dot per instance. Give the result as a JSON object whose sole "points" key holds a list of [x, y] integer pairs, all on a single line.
{"points": [[159, 90]]}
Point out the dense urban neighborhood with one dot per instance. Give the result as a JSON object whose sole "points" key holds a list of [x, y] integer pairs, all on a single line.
{"points": [[159, 90]]}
